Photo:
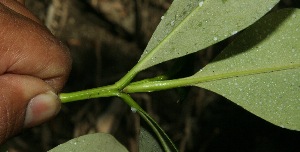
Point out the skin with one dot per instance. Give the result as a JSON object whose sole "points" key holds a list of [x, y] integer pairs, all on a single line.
{"points": [[34, 66]]}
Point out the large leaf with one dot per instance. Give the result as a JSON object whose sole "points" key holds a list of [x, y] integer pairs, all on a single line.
{"points": [[98, 142], [260, 71], [147, 142], [192, 25]]}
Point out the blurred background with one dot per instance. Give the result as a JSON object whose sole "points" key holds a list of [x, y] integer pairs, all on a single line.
{"points": [[106, 39]]}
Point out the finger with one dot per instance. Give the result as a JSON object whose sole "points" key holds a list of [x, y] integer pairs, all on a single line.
{"points": [[25, 101], [28, 48], [19, 7]]}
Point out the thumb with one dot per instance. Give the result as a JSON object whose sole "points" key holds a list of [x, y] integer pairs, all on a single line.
{"points": [[25, 101]]}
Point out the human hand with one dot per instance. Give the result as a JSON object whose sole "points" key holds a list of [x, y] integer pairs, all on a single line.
{"points": [[33, 68]]}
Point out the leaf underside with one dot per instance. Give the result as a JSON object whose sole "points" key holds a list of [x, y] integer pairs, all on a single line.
{"points": [[147, 142], [260, 71], [192, 25], [98, 142]]}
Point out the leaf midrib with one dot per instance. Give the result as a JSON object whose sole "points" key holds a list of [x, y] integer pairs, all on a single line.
{"points": [[247, 73], [152, 51], [197, 79]]}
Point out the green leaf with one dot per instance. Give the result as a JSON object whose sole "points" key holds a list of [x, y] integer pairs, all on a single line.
{"points": [[192, 25], [260, 71], [147, 142], [98, 142]]}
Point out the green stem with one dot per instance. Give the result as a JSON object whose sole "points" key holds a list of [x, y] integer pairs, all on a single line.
{"points": [[188, 81], [106, 91], [124, 81], [162, 136], [159, 84], [127, 78]]}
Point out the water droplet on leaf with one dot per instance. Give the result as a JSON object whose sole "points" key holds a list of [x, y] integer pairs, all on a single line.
{"points": [[233, 33], [201, 3], [172, 23]]}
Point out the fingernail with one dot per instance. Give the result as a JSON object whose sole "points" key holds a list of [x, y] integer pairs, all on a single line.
{"points": [[41, 108]]}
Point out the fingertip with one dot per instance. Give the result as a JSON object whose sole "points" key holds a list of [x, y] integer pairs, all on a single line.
{"points": [[41, 108], [25, 101]]}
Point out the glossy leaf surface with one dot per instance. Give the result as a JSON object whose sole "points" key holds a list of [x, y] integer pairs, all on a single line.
{"points": [[260, 71], [91, 143], [192, 25]]}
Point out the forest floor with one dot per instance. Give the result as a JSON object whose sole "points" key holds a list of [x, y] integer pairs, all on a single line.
{"points": [[106, 39]]}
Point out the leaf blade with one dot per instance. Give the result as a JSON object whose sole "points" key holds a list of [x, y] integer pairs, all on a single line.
{"points": [[92, 143], [147, 142], [190, 26], [260, 71]]}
